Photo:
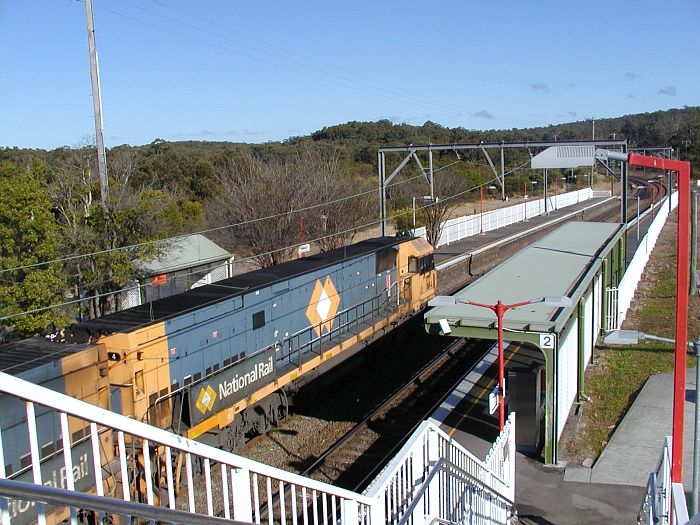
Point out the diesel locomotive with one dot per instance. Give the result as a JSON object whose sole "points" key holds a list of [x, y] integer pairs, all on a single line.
{"points": [[217, 363]]}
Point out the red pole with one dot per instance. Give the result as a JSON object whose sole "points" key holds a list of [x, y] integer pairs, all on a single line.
{"points": [[500, 310], [653, 197], [682, 277], [481, 209]]}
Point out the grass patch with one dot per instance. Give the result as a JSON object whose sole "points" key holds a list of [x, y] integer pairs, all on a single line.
{"points": [[617, 374]]}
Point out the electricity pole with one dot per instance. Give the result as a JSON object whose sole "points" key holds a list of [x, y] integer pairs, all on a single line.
{"points": [[97, 107]]}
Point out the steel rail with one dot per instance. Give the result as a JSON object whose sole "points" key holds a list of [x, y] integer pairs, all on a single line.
{"points": [[382, 406]]}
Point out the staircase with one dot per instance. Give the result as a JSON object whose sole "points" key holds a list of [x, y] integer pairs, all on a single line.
{"points": [[123, 467]]}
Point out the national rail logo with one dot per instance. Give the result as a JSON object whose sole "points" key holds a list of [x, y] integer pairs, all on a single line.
{"points": [[323, 306], [206, 399]]}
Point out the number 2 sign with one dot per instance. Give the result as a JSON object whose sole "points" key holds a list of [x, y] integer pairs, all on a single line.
{"points": [[548, 341]]}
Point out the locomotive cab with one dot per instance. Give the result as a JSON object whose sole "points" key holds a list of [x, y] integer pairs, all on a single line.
{"points": [[416, 273]]}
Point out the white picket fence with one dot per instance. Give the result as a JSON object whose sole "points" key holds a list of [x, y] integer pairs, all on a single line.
{"points": [[635, 268], [467, 225], [185, 481]]}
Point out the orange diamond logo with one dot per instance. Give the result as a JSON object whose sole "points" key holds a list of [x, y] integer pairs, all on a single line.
{"points": [[205, 400], [323, 306]]}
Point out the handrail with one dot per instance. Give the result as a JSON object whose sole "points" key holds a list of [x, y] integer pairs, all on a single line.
{"points": [[85, 411], [68, 498], [649, 502], [302, 348], [441, 466]]}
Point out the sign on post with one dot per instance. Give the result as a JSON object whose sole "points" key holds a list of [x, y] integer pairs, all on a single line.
{"points": [[493, 400]]}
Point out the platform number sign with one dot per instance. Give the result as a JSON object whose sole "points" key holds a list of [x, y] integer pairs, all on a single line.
{"points": [[548, 341]]}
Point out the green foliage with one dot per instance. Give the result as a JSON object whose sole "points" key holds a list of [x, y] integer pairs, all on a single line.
{"points": [[28, 236], [161, 189]]}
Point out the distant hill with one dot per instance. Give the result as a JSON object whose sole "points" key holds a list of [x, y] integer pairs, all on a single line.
{"points": [[677, 128], [188, 165]]}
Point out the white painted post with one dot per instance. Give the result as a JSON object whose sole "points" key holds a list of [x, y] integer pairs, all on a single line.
{"points": [[511, 457], [240, 492], [350, 513], [433, 494]]}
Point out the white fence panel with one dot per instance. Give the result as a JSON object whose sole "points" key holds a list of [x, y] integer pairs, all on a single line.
{"points": [[467, 225], [597, 306], [567, 375]]}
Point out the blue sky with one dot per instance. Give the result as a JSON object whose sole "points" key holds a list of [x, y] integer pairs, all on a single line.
{"points": [[259, 71]]}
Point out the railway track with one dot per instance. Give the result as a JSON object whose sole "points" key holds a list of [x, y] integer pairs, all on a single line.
{"points": [[358, 456]]}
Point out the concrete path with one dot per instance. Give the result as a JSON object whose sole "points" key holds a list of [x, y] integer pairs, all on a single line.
{"points": [[634, 450]]}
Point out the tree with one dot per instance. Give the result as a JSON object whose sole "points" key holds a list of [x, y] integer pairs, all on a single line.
{"points": [[136, 214], [278, 204], [339, 204], [29, 240], [451, 184], [260, 198]]}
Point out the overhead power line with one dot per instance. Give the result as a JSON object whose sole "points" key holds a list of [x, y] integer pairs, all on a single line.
{"points": [[364, 84], [200, 232], [270, 252]]}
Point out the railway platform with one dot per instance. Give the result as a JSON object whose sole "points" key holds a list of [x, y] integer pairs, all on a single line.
{"points": [[460, 250], [543, 494]]}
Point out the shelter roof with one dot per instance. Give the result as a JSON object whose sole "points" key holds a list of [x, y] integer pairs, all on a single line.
{"points": [[182, 253], [562, 263]]}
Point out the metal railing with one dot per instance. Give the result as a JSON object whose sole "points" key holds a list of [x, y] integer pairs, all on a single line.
{"points": [[664, 501], [413, 489], [306, 340], [91, 503], [129, 468], [158, 468]]}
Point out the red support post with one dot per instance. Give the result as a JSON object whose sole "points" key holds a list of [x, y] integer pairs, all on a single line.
{"points": [[481, 209], [500, 310], [682, 278]]}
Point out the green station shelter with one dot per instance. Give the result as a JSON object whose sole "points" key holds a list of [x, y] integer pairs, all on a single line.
{"points": [[584, 261]]}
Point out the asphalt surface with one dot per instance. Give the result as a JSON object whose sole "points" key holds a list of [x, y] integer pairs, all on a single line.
{"points": [[543, 494], [611, 491]]}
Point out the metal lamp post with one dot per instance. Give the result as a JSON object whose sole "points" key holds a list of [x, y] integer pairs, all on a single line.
{"points": [[500, 309], [682, 168], [423, 198]]}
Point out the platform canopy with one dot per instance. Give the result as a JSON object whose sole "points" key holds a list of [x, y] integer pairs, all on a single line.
{"points": [[564, 157], [561, 264]]}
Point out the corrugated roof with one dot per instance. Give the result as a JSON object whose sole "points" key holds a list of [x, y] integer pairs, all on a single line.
{"points": [[564, 156], [560, 264], [184, 252]]}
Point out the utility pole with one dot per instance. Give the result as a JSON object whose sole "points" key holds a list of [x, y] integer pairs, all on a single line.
{"points": [[97, 107], [503, 177]]}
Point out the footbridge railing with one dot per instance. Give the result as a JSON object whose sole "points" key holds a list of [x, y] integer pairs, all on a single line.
{"points": [[664, 501], [124, 467]]}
